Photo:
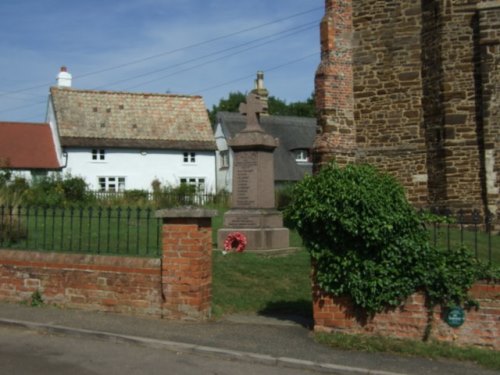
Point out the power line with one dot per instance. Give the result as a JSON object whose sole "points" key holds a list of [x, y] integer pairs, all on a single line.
{"points": [[215, 59], [171, 51], [198, 44], [297, 29], [23, 106], [270, 69]]}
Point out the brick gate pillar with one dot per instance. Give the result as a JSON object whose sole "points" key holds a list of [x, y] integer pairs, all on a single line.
{"points": [[334, 89], [186, 263]]}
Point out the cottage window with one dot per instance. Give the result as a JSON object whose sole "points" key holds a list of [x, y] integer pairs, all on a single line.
{"points": [[112, 184], [98, 154], [197, 182], [38, 175], [301, 156], [189, 157]]}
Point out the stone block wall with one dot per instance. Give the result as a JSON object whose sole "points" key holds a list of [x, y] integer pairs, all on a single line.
{"points": [[489, 69], [424, 96], [175, 286], [461, 138], [410, 321], [407, 165]]}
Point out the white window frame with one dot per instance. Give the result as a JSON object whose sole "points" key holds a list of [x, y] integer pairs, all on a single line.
{"points": [[198, 182], [98, 154], [189, 157], [111, 183], [302, 155]]}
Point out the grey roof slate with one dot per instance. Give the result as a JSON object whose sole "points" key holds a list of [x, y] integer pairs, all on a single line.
{"points": [[294, 133], [120, 119]]}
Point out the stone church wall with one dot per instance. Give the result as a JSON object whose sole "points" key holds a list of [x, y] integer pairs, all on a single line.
{"points": [[424, 96], [388, 91]]}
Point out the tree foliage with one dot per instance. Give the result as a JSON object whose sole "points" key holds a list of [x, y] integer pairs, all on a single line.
{"points": [[369, 243], [277, 106]]}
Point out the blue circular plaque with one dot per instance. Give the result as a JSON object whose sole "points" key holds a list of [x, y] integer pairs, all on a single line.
{"points": [[455, 316]]}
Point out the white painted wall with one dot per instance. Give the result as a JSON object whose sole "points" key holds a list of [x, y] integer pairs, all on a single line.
{"points": [[141, 167]]}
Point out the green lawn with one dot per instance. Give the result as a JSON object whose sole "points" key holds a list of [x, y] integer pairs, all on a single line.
{"points": [[116, 231], [245, 282]]}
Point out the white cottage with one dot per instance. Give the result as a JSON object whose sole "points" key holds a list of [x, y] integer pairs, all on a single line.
{"points": [[120, 141]]}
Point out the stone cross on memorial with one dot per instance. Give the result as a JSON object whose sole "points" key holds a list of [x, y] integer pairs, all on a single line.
{"points": [[252, 110], [253, 211]]}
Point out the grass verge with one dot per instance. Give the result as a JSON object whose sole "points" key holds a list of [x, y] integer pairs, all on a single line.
{"points": [[432, 350]]}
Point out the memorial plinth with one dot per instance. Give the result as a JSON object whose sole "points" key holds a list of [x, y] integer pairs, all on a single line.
{"points": [[253, 211]]}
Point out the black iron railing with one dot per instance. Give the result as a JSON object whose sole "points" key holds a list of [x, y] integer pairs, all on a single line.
{"points": [[97, 230], [466, 228]]}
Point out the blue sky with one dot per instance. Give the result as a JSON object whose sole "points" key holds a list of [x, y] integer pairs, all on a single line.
{"points": [[202, 47]]}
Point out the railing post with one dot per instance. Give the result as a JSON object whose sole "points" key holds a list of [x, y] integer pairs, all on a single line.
{"points": [[186, 263]]}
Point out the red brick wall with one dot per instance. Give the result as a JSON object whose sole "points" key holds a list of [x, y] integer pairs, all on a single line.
{"points": [[334, 87], [481, 327], [187, 269], [90, 282], [177, 286]]}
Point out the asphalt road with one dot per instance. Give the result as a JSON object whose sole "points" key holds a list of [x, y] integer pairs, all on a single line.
{"points": [[26, 352]]}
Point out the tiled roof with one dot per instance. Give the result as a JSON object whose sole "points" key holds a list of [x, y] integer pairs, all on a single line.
{"points": [[27, 146], [120, 119], [294, 133]]}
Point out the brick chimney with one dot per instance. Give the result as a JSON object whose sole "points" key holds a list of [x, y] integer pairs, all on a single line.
{"points": [[336, 139], [261, 92], [64, 78]]}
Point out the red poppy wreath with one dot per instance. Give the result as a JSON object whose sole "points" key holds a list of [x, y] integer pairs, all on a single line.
{"points": [[235, 241]]}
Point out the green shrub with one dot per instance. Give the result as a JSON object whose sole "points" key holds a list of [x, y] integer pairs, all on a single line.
{"points": [[175, 196], [75, 190], [369, 243], [12, 228], [283, 196], [58, 190], [135, 196]]}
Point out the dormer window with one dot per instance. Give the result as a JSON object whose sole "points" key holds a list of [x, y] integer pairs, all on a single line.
{"points": [[302, 156]]}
